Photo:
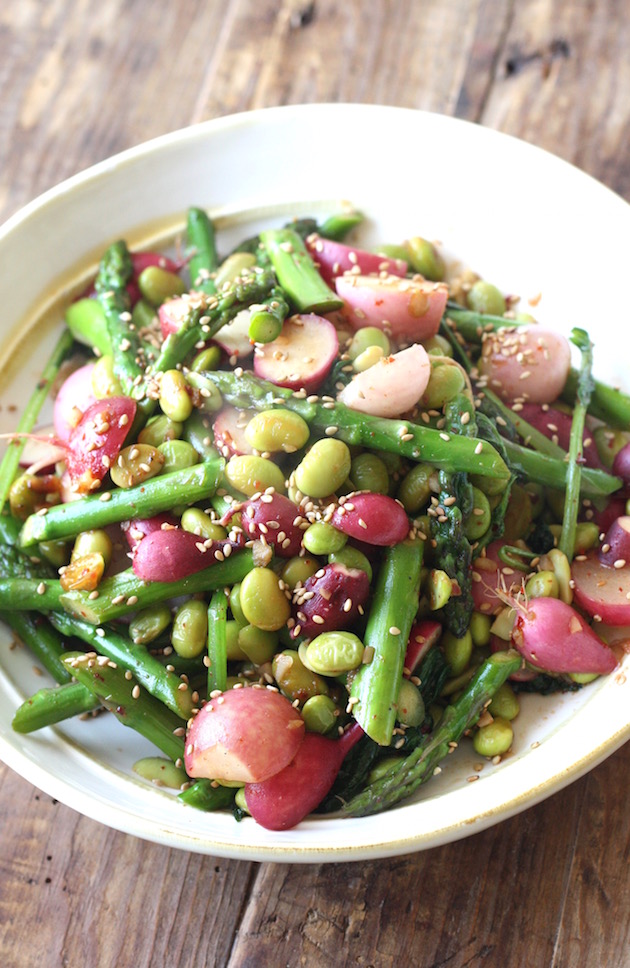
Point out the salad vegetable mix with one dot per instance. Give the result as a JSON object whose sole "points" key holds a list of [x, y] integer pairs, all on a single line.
{"points": [[310, 516]]}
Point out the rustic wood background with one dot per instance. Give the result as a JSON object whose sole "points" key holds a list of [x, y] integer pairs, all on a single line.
{"points": [[81, 80]]}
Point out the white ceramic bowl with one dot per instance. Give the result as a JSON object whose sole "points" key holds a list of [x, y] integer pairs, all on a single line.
{"points": [[524, 219]]}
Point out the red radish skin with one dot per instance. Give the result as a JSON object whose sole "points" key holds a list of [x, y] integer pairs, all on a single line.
{"points": [[390, 387], [172, 312], [600, 591], [329, 600], [138, 528], [554, 637], [228, 430], [142, 260], [556, 425], [274, 519], [424, 635], [615, 548], [409, 309], [285, 799], [96, 441], [615, 508], [302, 355], [373, 518], [171, 554], [527, 364], [621, 464], [75, 395], [335, 258], [244, 735]]}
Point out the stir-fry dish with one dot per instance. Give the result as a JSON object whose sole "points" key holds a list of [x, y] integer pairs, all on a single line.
{"points": [[310, 516]]}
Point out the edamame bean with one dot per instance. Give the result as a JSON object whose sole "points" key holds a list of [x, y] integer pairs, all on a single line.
{"points": [[333, 653], [457, 651], [351, 558], [495, 739], [233, 650], [177, 454], [367, 358], [583, 678], [135, 465], [438, 346], [324, 468], [391, 251], [366, 337], [105, 383], [258, 645], [478, 521], [322, 538], [175, 399], [424, 258], [206, 395], [557, 562], [445, 382], [294, 680], [415, 488], [483, 297], [56, 552], [198, 522], [543, 584], [189, 634], [298, 570], [235, 604], [369, 473], [88, 542], [158, 284], [263, 601], [208, 359], [505, 704], [162, 772], [439, 588], [150, 622], [277, 430], [320, 714], [232, 267], [608, 443], [198, 432], [251, 475], [586, 536], [160, 429], [410, 711], [240, 801], [479, 627]]}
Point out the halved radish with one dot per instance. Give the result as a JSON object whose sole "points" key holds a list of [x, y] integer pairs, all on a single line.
{"points": [[615, 549], [556, 425], [173, 312], [423, 636], [234, 336], [142, 260], [409, 309], [554, 637], [138, 528], [75, 395], [41, 450], [229, 432], [334, 258], [392, 386], [374, 518], [302, 355], [329, 600], [96, 441], [621, 464], [274, 517], [243, 735], [171, 554], [602, 591], [528, 364]]}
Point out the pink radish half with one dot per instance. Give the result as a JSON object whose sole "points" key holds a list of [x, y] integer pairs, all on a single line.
{"points": [[171, 554], [75, 395], [373, 518], [229, 432], [423, 636], [334, 258], [274, 518], [245, 735], [556, 425], [329, 600], [409, 309], [96, 441], [554, 637], [301, 356], [392, 386], [528, 364], [285, 799], [234, 336], [602, 591], [621, 464], [615, 549]]}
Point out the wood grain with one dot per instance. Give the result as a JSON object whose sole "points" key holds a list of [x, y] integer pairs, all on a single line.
{"points": [[81, 80]]}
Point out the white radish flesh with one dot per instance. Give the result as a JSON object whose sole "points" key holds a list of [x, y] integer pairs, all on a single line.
{"points": [[234, 336], [601, 591], [409, 309], [73, 398], [392, 386], [302, 355], [229, 432], [526, 364]]}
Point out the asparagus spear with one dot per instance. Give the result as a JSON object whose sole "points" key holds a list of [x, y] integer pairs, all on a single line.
{"points": [[43, 641], [375, 687], [204, 796], [245, 391], [551, 472], [133, 706], [217, 656], [419, 766], [53, 705], [115, 271], [576, 446], [122, 504], [202, 246], [297, 273], [265, 321]]}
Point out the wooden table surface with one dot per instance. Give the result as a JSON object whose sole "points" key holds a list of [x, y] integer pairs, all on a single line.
{"points": [[82, 80]]}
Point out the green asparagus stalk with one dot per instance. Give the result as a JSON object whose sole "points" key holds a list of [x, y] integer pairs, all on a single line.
{"points": [[130, 704], [338, 225], [202, 247], [566, 543], [297, 273], [158, 494], [551, 472], [265, 321], [115, 271], [204, 796], [471, 325], [136, 659], [217, 642], [607, 403], [374, 689], [420, 765], [414, 441], [54, 705], [44, 642], [11, 459]]}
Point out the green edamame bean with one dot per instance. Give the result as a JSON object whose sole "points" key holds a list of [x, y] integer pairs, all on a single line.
{"points": [[160, 429], [175, 398], [505, 704], [491, 486], [438, 346], [198, 432], [277, 430], [294, 680], [251, 475], [208, 359], [322, 538], [410, 711], [89, 542], [240, 801], [320, 714], [104, 381], [367, 358], [324, 468], [177, 455], [586, 536], [556, 561], [333, 653], [439, 588], [495, 739], [232, 267], [583, 678], [391, 251], [158, 284], [608, 443], [423, 257], [480, 517], [479, 628], [351, 558], [366, 337], [369, 473], [206, 395], [445, 382], [233, 650], [415, 488], [198, 522], [86, 320], [135, 465], [162, 772], [298, 570], [235, 604], [258, 645], [142, 315], [263, 601], [484, 297], [56, 552], [189, 634], [543, 584], [457, 651], [149, 623]]}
